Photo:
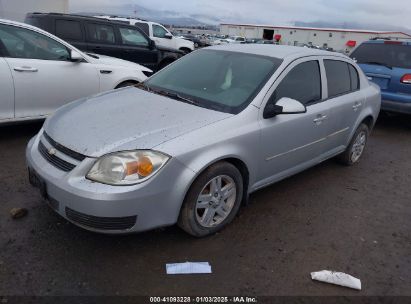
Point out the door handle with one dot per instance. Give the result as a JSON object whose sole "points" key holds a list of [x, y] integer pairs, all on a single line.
{"points": [[25, 69], [320, 118], [356, 106]]}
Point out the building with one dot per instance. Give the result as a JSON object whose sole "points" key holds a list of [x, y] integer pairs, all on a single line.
{"points": [[340, 40], [17, 9]]}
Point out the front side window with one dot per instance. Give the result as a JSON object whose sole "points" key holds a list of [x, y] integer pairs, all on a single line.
{"points": [[338, 77], [159, 31], [101, 33], [220, 80], [132, 37], [18, 42], [302, 83]]}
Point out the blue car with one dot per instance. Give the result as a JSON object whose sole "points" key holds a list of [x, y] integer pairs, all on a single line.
{"points": [[388, 64]]}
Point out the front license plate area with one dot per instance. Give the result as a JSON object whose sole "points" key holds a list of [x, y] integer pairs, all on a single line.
{"points": [[37, 181]]}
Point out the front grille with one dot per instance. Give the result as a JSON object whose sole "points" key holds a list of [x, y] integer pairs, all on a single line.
{"points": [[64, 150], [101, 223], [54, 160]]}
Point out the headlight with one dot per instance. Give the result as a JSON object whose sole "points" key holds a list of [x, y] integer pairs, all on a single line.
{"points": [[127, 168]]}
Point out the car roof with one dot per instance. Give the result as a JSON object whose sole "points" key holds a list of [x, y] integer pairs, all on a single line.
{"points": [[275, 51], [25, 25], [75, 16]]}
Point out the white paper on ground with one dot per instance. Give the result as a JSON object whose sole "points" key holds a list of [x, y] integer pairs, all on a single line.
{"points": [[188, 268], [337, 278]]}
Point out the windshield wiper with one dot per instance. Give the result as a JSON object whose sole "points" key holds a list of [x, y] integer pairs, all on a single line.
{"points": [[176, 96], [143, 86], [378, 63]]}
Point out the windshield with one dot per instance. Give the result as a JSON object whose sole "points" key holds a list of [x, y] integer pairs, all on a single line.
{"points": [[391, 55], [220, 80]]}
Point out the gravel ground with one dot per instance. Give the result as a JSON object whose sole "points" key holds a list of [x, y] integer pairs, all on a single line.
{"points": [[355, 220]]}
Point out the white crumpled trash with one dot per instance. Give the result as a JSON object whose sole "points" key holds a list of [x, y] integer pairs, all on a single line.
{"points": [[337, 278], [188, 268]]}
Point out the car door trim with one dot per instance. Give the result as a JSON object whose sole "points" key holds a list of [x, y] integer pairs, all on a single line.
{"points": [[307, 145], [296, 149]]}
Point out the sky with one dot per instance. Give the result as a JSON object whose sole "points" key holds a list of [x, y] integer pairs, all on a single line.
{"points": [[279, 12]]}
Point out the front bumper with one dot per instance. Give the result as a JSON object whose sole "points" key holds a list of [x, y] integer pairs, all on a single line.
{"points": [[110, 209]]}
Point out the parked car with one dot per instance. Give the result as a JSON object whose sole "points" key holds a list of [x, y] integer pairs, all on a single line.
{"points": [[388, 64], [105, 37], [236, 39], [198, 40], [157, 32], [189, 144], [40, 72], [220, 41]]}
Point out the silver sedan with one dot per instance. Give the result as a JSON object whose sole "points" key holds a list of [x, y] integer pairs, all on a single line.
{"points": [[191, 143]]}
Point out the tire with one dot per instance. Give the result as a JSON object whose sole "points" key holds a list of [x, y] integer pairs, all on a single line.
{"points": [[185, 51], [164, 64], [221, 207], [125, 84], [355, 149]]}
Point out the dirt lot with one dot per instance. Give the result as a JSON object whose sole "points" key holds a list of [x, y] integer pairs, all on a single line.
{"points": [[355, 220]]}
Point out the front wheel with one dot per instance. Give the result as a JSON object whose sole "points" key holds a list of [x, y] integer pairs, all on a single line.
{"points": [[212, 201], [356, 147]]}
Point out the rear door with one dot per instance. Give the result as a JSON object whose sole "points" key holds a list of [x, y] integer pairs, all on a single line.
{"points": [[101, 39], [44, 77], [345, 100], [71, 30]]}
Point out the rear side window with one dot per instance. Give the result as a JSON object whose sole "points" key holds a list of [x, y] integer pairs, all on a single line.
{"points": [[302, 83], [355, 80], [338, 77], [101, 33], [69, 29], [388, 54], [143, 27]]}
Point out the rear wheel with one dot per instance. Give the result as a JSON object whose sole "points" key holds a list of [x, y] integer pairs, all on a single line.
{"points": [[212, 201], [356, 147]]}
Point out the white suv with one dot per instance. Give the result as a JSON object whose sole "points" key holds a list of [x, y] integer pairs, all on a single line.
{"points": [[157, 33]]}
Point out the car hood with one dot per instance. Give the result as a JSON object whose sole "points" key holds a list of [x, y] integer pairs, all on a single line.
{"points": [[125, 119], [111, 61]]}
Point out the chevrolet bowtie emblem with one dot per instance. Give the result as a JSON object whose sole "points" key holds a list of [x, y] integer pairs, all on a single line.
{"points": [[52, 151]]}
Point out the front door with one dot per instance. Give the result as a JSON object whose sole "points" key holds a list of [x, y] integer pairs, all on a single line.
{"points": [[6, 89], [44, 77], [136, 47], [292, 142], [159, 36]]}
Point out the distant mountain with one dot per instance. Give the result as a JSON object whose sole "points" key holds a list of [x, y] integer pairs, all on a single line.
{"points": [[169, 17], [353, 25], [164, 17]]}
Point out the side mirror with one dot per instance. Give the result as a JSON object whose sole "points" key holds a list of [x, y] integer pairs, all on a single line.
{"points": [[76, 56], [168, 36], [152, 44], [284, 106]]}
